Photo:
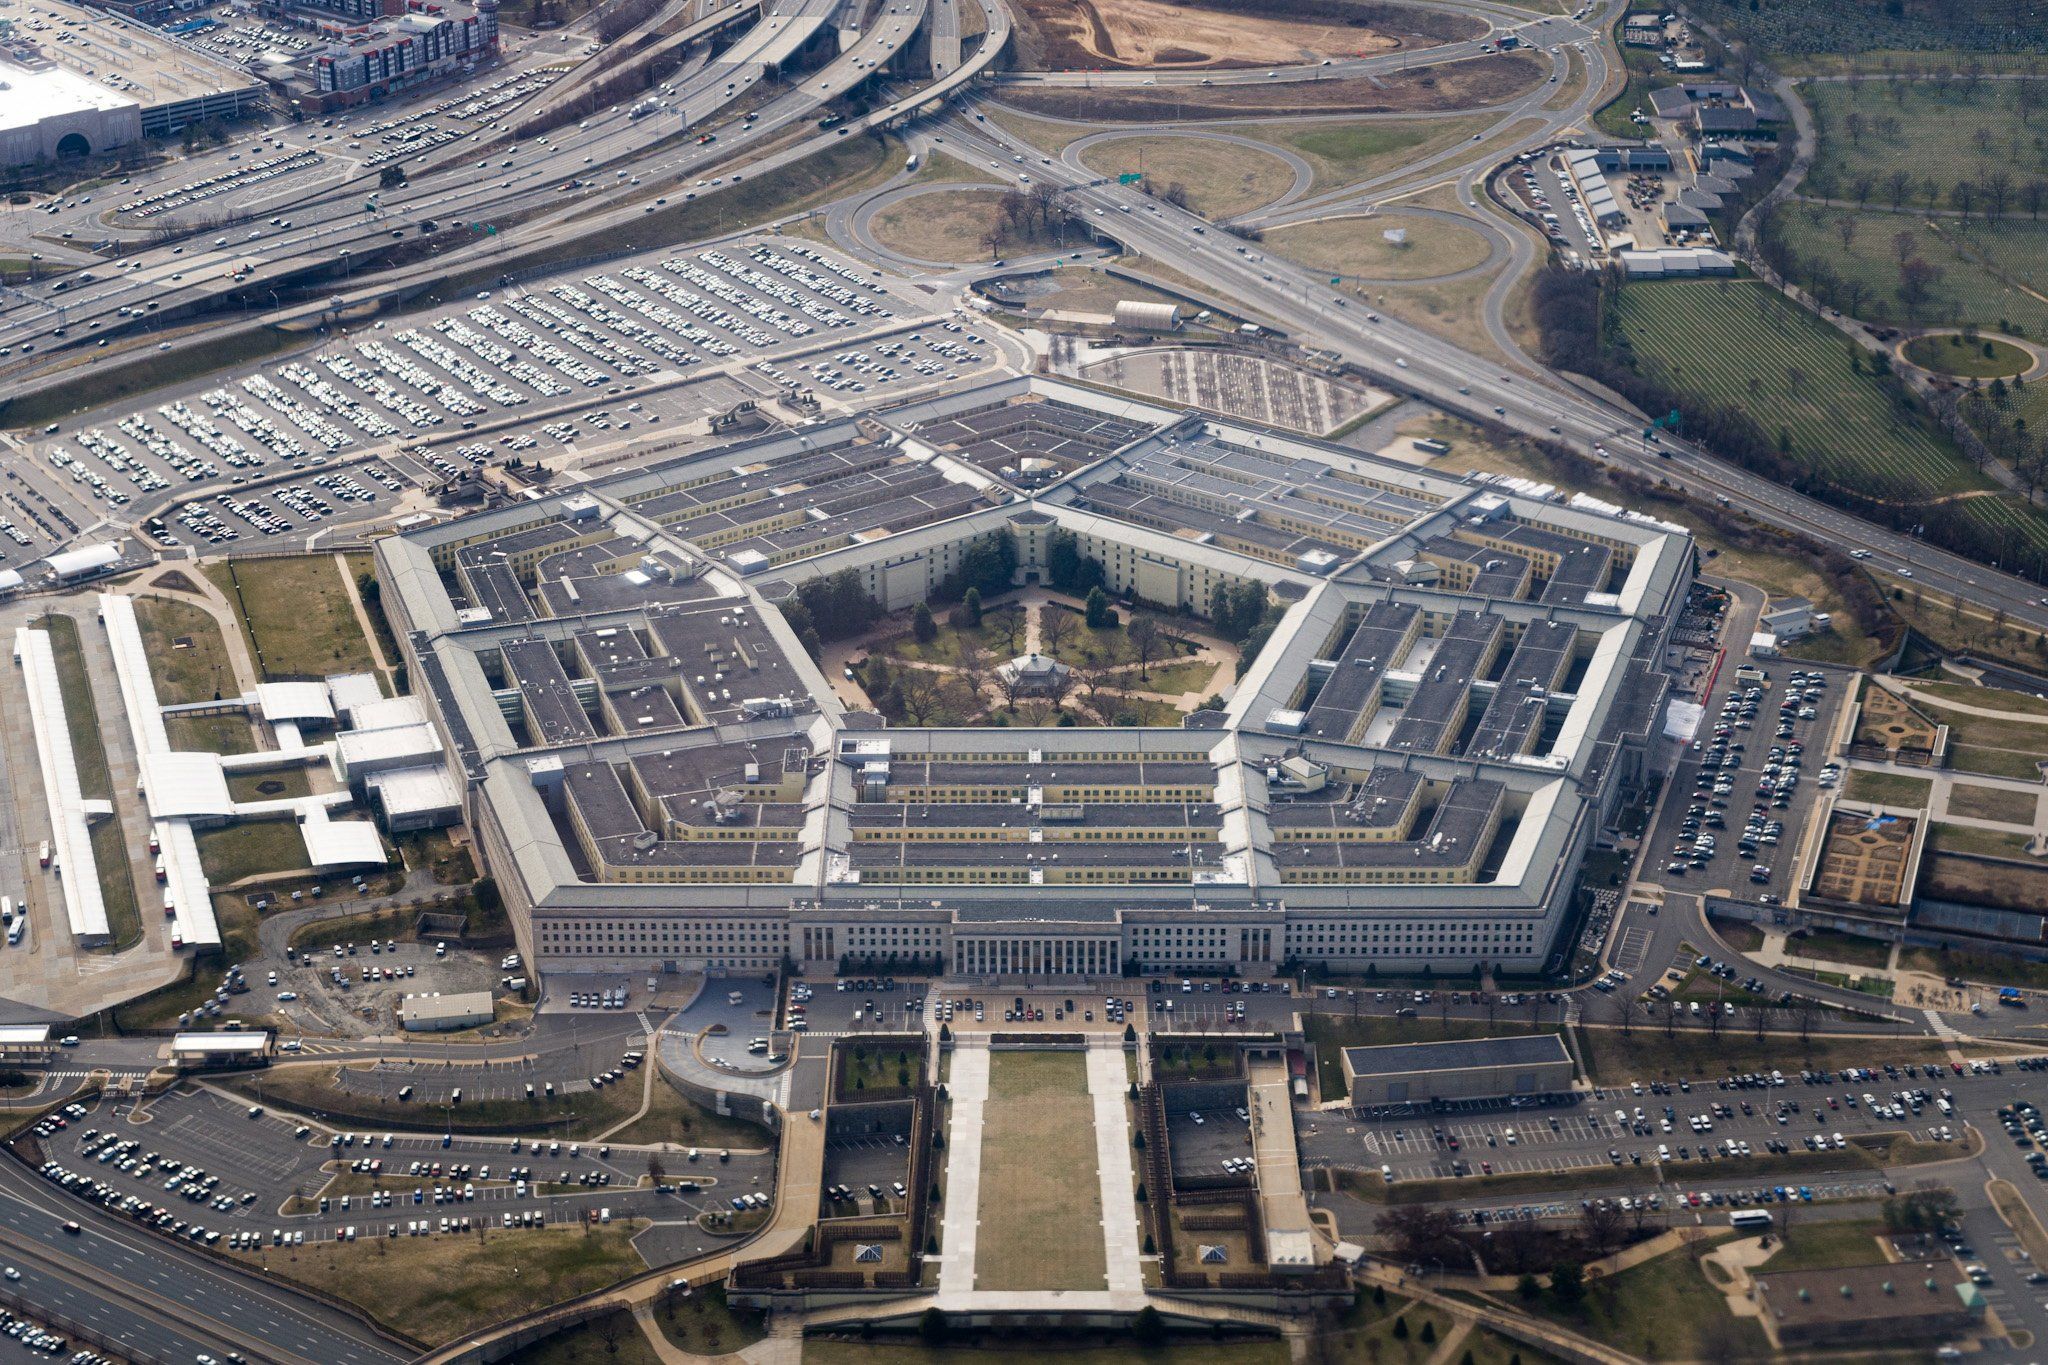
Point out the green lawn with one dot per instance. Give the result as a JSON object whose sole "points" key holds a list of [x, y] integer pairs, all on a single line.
{"points": [[1742, 346], [1993, 803], [1344, 153], [1663, 1309], [1986, 268], [1987, 843], [705, 1324], [227, 733], [872, 1073], [275, 784], [1886, 789], [298, 618], [250, 848], [1038, 1176], [1957, 355], [1831, 946], [187, 659], [1828, 1246], [1874, 128]]}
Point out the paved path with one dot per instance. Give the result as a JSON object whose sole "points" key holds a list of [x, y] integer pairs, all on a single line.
{"points": [[968, 1091], [1107, 1084]]}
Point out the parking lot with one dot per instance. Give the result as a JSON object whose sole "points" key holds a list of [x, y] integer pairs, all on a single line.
{"points": [[866, 1173], [1209, 1141], [208, 1164], [570, 365], [1747, 784], [1676, 1134]]}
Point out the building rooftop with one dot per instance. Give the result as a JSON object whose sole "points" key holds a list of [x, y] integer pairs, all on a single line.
{"points": [[1407, 1059]]}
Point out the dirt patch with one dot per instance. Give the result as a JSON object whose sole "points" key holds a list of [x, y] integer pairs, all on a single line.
{"points": [[1458, 85], [1982, 881], [962, 226], [1093, 35]]}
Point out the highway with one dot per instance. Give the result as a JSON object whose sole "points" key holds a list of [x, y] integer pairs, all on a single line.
{"points": [[1411, 359], [138, 1287]]}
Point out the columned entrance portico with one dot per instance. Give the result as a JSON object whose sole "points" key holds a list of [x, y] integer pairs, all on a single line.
{"points": [[1082, 955]]}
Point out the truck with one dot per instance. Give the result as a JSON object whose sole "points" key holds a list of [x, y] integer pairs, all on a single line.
{"points": [[644, 108], [910, 163], [2010, 997], [43, 854], [831, 120]]}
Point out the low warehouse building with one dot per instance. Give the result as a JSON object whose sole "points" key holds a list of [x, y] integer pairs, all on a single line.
{"points": [[1472, 1069], [439, 1013]]}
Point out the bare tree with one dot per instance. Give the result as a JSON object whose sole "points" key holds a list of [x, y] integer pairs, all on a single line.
{"points": [[1146, 642], [1055, 628], [921, 690]]}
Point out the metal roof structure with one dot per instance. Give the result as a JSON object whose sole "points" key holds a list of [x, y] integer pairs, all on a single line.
{"points": [[1407, 750], [70, 835]]}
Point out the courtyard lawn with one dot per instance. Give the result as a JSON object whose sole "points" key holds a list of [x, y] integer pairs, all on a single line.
{"points": [[297, 614], [1041, 1203], [1993, 803], [188, 660], [1886, 789]]}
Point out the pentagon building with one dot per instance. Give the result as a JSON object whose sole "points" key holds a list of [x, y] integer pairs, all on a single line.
{"points": [[1465, 679]]}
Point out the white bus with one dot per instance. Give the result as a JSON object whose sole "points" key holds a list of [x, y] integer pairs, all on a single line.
{"points": [[1750, 1218]]}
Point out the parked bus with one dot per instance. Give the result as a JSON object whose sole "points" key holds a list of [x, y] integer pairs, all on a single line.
{"points": [[1750, 1218]]}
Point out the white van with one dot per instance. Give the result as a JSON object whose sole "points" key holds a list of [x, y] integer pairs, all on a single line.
{"points": [[1387, 1174]]}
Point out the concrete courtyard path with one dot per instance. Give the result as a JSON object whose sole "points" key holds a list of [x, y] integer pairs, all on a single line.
{"points": [[1108, 1081], [968, 1092]]}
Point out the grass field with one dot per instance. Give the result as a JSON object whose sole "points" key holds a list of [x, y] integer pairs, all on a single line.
{"points": [[1987, 268], [298, 617], [1222, 180], [1875, 128], [1663, 1309], [1983, 359], [1985, 843], [1839, 947], [705, 1324], [188, 661], [1886, 789], [1989, 744], [1993, 803], [1359, 247], [1739, 344], [1996, 969], [954, 226], [277, 784], [222, 734], [1345, 153], [435, 1289], [1828, 1246], [1038, 1176], [250, 848]]}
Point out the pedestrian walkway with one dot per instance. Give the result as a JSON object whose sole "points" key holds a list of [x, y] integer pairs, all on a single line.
{"points": [[1108, 1083], [967, 1089]]}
